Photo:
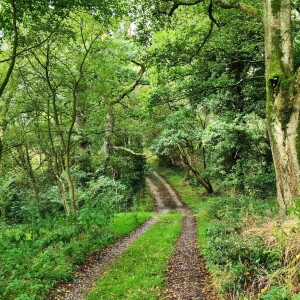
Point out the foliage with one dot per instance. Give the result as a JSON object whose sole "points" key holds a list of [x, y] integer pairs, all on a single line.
{"points": [[87, 86], [50, 253]]}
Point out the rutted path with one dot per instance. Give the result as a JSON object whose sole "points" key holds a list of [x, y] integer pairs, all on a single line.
{"points": [[96, 265], [187, 278]]}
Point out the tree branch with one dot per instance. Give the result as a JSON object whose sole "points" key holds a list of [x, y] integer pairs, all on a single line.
{"points": [[128, 150], [248, 9], [203, 42], [210, 13], [177, 4], [14, 51], [28, 49], [129, 89]]}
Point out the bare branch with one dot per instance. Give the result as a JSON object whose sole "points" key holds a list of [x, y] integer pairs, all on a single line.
{"points": [[203, 42], [210, 13], [28, 49], [128, 150], [177, 4]]}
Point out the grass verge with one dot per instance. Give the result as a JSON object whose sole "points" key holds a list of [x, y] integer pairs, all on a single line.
{"points": [[250, 249], [31, 264], [139, 273], [193, 198]]}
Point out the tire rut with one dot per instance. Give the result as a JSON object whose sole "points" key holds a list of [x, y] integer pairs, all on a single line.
{"points": [[186, 277]]}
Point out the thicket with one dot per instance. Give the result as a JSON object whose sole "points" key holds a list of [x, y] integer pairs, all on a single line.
{"points": [[33, 259]]}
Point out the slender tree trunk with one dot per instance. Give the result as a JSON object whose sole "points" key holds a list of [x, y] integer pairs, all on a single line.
{"points": [[70, 183], [63, 192], [32, 177], [10, 69], [282, 99], [109, 129], [204, 182], [187, 162]]}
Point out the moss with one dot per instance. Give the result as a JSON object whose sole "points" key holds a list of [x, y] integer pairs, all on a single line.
{"points": [[298, 141], [288, 85], [275, 65], [277, 43], [287, 104], [284, 106], [276, 6]]}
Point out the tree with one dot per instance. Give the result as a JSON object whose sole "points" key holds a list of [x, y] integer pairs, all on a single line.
{"points": [[283, 99], [221, 77], [181, 140], [282, 84]]}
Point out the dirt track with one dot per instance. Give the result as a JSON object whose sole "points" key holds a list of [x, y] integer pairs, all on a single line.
{"points": [[186, 275]]}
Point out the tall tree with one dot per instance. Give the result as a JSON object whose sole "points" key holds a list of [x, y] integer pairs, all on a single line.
{"points": [[283, 99], [282, 84]]}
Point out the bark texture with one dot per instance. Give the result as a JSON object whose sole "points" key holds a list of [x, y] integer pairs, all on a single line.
{"points": [[282, 99]]}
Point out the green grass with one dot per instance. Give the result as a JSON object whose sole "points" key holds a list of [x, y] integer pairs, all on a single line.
{"points": [[139, 273], [123, 223], [143, 201], [31, 264], [235, 260]]}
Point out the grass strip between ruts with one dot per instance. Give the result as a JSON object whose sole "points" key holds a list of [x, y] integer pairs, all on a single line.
{"points": [[192, 197], [139, 272]]}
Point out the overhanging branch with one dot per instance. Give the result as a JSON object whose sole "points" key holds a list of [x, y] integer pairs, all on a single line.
{"points": [[129, 151], [246, 8], [130, 88], [177, 4]]}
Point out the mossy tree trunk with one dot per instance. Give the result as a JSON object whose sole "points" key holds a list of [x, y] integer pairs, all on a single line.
{"points": [[282, 99], [283, 90]]}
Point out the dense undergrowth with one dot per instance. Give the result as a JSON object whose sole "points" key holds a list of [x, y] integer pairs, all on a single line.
{"points": [[251, 250], [36, 256]]}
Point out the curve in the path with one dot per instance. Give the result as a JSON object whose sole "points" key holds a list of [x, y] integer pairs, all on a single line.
{"points": [[155, 194], [170, 190], [187, 276]]}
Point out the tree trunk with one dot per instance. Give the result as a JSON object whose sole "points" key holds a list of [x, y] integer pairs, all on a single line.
{"points": [[109, 130], [184, 157], [70, 183], [204, 182], [282, 99]]}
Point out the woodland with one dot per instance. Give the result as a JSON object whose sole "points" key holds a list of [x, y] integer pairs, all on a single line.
{"points": [[95, 95]]}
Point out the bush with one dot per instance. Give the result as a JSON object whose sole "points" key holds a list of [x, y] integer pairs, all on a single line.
{"points": [[243, 258], [277, 293]]}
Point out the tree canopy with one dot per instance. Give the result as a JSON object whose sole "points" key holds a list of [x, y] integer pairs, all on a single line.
{"points": [[89, 90]]}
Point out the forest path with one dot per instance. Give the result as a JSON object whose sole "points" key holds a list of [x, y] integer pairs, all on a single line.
{"points": [[96, 265], [186, 275]]}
